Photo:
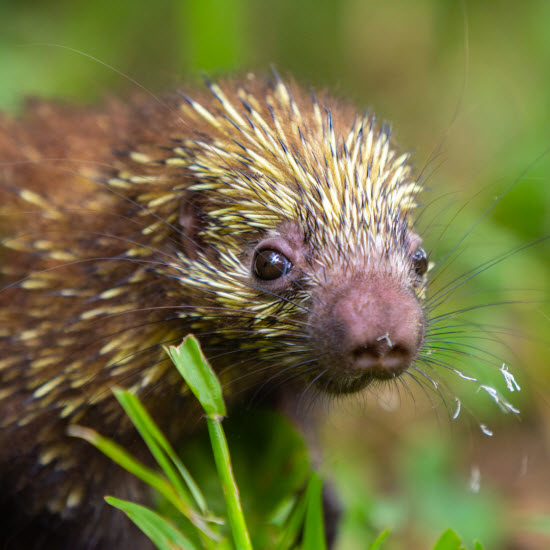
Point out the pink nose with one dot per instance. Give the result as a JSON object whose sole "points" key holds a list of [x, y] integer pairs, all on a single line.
{"points": [[372, 328]]}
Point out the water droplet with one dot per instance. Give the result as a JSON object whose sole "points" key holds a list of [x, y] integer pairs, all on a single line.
{"points": [[511, 383], [462, 375], [504, 405], [458, 407], [475, 479], [523, 466], [486, 430]]}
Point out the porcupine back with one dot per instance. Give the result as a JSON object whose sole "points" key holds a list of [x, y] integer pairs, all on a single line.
{"points": [[131, 225]]}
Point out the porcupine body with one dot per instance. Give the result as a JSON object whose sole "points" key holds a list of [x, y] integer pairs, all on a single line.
{"points": [[271, 223]]}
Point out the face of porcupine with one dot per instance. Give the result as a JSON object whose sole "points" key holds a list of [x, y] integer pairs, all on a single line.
{"points": [[295, 232]]}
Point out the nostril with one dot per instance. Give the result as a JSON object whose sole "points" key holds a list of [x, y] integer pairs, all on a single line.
{"points": [[397, 359], [386, 360], [365, 351], [398, 351], [365, 357]]}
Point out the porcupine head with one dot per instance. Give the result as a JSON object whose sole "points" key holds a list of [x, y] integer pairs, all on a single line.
{"points": [[272, 224], [315, 256]]}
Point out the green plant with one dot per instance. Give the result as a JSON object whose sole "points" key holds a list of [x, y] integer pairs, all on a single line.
{"points": [[302, 519], [299, 519]]}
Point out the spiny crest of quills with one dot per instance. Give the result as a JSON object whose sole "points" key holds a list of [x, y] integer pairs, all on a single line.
{"points": [[270, 162], [265, 153]]}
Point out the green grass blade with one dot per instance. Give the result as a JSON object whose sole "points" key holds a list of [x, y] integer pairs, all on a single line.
{"points": [[158, 482], [161, 449], [198, 374], [162, 533], [314, 528], [203, 382], [379, 540], [229, 485], [293, 525], [119, 455]]}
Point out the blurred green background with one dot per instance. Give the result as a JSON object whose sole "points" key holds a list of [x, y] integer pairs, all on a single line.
{"points": [[466, 86]]}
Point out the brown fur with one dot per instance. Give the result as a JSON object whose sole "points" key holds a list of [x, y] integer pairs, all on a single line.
{"points": [[68, 237]]}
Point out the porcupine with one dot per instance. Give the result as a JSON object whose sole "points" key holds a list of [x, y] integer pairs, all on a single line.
{"points": [[273, 223]]}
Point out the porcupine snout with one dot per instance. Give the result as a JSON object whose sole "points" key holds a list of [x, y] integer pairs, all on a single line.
{"points": [[370, 329]]}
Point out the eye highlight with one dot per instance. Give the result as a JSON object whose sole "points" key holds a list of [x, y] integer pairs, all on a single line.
{"points": [[420, 262], [270, 264]]}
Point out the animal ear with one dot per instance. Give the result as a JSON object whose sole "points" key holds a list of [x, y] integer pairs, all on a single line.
{"points": [[415, 241], [189, 222]]}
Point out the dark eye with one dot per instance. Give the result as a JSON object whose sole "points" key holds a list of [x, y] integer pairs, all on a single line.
{"points": [[270, 264], [420, 262]]}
